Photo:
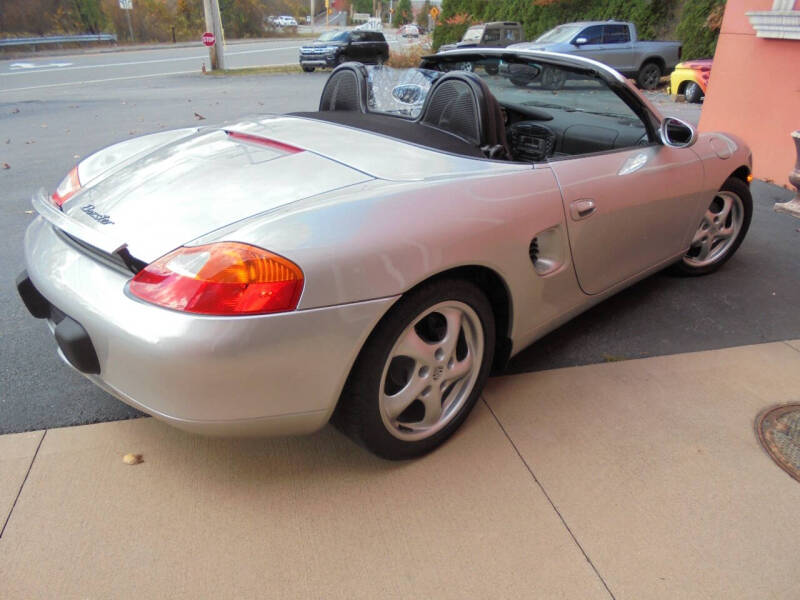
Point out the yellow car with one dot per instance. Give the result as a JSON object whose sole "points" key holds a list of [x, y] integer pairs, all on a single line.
{"points": [[690, 78]]}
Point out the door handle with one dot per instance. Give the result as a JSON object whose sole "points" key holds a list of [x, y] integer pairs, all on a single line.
{"points": [[580, 209]]}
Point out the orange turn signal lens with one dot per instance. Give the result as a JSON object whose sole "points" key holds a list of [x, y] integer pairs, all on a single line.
{"points": [[68, 187], [750, 178], [226, 278]]}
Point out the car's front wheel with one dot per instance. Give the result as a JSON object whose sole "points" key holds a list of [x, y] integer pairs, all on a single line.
{"points": [[693, 93], [420, 372], [308, 69], [721, 230]]}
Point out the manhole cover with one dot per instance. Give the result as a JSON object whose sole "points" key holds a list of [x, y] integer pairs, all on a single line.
{"points": [[778, 431]]}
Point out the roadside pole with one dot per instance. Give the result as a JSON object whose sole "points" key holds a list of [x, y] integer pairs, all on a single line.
{"points": [[216, 53], [127, 6]]}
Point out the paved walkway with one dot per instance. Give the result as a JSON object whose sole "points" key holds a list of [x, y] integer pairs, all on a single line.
{"points": [[638, 479]]}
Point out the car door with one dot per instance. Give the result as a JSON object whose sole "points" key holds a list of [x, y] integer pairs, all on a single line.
{"points": [[491, 37], [357, 49], [592, 47], [617, 49], [629, 207]]}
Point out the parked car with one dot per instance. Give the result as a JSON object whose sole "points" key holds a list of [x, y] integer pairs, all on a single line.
{"points": [[690, 78], [369, 265], [615, 44], [489, 35], [286, 21], [408, 31], [283, 23], [335, 47]]}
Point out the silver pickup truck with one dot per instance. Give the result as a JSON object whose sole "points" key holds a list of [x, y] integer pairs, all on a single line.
{"points": [[613, 43]]}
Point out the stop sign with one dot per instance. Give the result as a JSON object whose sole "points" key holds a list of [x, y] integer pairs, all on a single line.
{"points": [[208, 38]]}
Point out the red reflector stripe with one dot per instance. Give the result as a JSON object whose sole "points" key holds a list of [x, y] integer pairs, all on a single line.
{"points": [[255, 139]]}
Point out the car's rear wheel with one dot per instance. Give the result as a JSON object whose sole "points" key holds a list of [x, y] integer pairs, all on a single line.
{"points": [[649, 76], [693, 92], [553, 79], [420, 372], [721, 230]]}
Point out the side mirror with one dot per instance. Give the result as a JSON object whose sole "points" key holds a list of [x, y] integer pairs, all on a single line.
{"points": [[677, 133], [580, 41]]}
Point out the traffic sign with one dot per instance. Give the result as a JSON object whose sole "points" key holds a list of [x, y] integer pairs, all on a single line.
{"points": [[208, 39], [434, 11], [126, 4]]}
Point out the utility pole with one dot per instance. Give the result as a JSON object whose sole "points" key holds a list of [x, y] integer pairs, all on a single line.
{"points": [[127, 6], [216, 53], [311, 5], [130, 26]]}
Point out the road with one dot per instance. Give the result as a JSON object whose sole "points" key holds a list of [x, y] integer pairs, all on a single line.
{"points": [[44, 131], [76, 70]]}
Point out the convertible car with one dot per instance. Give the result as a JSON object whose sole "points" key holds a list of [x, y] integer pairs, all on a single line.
{"points": [[371, 262]]}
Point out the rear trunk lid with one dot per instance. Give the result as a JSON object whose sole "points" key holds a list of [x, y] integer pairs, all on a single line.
{"points": [[194, 186]]}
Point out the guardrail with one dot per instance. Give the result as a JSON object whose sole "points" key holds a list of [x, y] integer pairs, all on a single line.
{"points": [[58, 39]]}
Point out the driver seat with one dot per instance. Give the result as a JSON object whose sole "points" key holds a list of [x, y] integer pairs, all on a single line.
{"points": [[460, 103]]}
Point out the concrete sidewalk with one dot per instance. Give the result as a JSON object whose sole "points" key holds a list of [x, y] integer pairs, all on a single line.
{"points": [[638, 479]]}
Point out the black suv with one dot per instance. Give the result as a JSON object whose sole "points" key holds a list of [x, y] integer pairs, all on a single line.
{"points": [[335, 47]]}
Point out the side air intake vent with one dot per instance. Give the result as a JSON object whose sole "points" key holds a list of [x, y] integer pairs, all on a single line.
{"points": [[533, 251], [547, 251]]}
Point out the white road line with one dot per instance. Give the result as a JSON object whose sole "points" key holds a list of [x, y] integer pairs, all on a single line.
{"points": [[144, 62], [52, 85]]}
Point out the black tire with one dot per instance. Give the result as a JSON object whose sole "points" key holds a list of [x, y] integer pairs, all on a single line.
{"points": [[492, 69], [739, 188], [308, 69], [649, 76], [553, 78], [693, 93], [358, 413], [342, 58]]}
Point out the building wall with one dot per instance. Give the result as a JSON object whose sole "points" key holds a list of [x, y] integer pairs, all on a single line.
{"points": [[754, 90]]}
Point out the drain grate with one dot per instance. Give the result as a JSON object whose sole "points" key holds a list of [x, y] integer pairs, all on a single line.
{"points": [[778, 430]]}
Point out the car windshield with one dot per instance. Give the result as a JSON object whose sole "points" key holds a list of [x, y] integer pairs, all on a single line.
{"points": [[473, 34], [560, 34], [333, 36]]}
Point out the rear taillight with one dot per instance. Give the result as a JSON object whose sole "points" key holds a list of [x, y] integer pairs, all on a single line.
{"points": [[226, 278], [68, 187]]}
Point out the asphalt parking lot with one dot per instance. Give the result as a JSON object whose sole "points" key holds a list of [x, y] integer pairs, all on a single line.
{"points": [[45, 131]]}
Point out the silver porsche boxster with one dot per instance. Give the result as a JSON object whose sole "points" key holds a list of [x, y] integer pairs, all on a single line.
{"points": [[371, 262]]}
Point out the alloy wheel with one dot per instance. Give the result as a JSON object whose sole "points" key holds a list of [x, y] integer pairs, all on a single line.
{"points": [[718, 230], [431, 371]]}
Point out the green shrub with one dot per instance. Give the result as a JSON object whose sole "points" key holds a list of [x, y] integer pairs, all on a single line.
{"points": [[653, 18], [699, 27]]}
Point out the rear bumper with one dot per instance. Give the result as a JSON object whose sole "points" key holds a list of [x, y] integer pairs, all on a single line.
{"points": [[267, 374]]}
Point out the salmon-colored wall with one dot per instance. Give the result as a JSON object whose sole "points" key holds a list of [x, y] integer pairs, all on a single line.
{"points": [[754, 91]]}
